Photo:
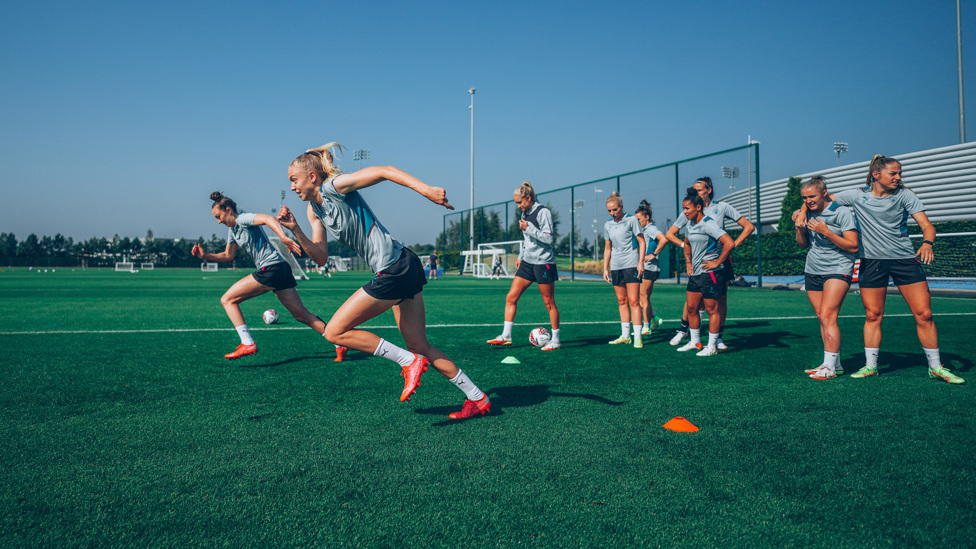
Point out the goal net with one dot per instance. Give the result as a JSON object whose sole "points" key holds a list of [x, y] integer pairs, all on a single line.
{"points": [[955, 260], [296, 269], [126, 267], [147, 266], [493, 259], [210, 267]]}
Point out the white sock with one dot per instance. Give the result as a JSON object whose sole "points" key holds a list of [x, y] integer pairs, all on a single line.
{"points": [[871, 357], [647, 326], [245, 334], [555, 335], [467, 386], [388, 350], [695, 335], [712, 340], [932, 355], [507, 330], [831, 360], [625, 329], [637, 330]]}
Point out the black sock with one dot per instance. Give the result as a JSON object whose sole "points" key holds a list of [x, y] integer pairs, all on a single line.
{"points": [[684, 327]]}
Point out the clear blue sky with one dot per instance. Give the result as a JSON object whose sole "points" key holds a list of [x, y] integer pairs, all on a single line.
{"points": [[118, 117]]}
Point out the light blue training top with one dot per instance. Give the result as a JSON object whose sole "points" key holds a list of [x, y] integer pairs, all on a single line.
{"points": [[255, 240], [537, 245], [623, 242], [349, 220], [650, 241], [703, 239], [824, 257], [882, 222]]}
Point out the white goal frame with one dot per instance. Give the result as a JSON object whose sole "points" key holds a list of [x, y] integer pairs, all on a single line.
{"points": [[208, 267], [125, 267], [147, 266], [481, 262]]}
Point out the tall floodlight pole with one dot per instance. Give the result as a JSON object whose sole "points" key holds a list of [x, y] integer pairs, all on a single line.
{"points": [[360, 155], [840, 148], [730, 172], [596, 222], [962, 108], [749, 176], [471, 211]]}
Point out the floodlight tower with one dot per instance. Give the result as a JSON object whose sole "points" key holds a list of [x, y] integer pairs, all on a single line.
{"points": [[839, 148], [360, 155], [730, 172], [471, 211]]}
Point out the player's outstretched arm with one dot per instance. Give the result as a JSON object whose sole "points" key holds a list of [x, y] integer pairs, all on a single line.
{"points": [[229, 253], [367, 177], [272, 223], [317, 247]]}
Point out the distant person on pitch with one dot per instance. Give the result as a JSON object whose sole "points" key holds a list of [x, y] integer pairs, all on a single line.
{"points": [[536, 263], [336, 207], [247, 230], [432, 263]]}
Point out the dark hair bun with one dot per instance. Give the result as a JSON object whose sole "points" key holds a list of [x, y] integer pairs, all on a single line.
{"points": [[216, 196]]}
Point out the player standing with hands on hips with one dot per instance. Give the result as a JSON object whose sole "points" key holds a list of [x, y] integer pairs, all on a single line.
{"points": [[623, 266], [247, 230], [336, 206], [536, 263], [882, 208]]}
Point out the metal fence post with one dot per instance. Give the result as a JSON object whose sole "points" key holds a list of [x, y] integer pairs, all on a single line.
{"points": [[758, 222]]}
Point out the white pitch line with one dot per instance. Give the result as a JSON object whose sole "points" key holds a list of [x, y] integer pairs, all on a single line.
{"points": [[392, 327]]}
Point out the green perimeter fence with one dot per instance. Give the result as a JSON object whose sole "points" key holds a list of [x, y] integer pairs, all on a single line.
{"points": [[579, 213]]}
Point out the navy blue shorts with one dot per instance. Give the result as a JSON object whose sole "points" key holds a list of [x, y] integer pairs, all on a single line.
{"points": [[711, 285], [874, 273], [651, 275], [277, 276], [815, 283], [620, 277], [402, 280], [540, 274]]}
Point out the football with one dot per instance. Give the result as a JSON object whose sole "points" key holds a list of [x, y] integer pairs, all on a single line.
{"points": [[271, 317], [539, 337]]}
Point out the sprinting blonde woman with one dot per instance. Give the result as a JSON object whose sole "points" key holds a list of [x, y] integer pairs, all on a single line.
{"points": [[336, 207], [720, 212], [652, 267], [273, 274], [882, 208], [831, 236], [623, 266], [536, 263]]}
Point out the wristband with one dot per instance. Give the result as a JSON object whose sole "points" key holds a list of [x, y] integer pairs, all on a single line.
{"points": [[929, 242]]}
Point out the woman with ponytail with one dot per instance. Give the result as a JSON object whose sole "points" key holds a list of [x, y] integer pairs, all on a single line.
{"points": [[536, 263], [623, 266], [882, 208], [336, 207], [248, 231], [720, 212], [706, 248], [652, 267]]}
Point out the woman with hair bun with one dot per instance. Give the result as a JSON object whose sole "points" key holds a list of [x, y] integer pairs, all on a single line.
{"points": [[882, 208], [623, 266], [652, 267], [273, 274], [706, 248], [336, 207], [536, 263]]}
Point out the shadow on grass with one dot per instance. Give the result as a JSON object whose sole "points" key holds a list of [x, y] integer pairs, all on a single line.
{"points": [[891, 362], [352, 357], [515, 397]]}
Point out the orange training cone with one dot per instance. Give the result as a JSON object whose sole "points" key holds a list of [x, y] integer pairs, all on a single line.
{"points": [[680, 425]]}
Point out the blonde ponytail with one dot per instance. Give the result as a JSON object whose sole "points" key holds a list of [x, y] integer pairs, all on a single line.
{"points": [[321, 160], [525, 190]]}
